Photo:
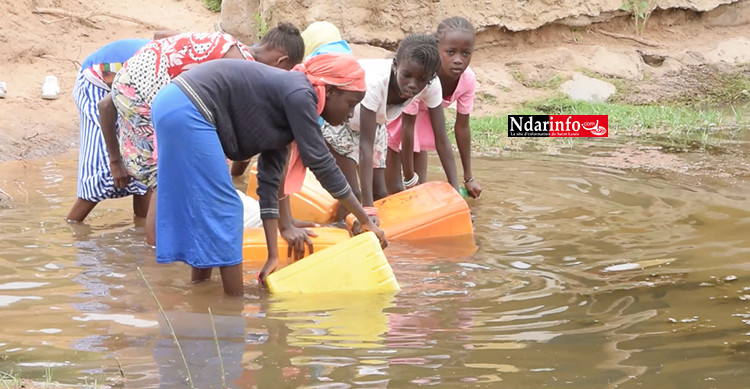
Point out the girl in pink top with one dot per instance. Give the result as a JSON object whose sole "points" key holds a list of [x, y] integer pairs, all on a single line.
{"points": [[414, 132]]}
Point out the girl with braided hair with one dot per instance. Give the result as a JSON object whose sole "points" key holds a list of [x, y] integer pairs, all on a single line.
{"points": [[392, 84], [458, 82]]}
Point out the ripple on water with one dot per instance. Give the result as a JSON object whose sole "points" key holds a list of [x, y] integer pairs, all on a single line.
{"points": [[574, 277]]}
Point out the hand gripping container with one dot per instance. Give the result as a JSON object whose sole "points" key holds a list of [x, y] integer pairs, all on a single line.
{"points": [[255, 251], [312, 203], [356, 265]]}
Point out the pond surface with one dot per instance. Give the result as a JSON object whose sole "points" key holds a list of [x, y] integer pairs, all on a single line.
{"points": [[585, 277]]}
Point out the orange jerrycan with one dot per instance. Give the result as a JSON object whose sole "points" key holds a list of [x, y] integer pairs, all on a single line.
{"points": [[255, 251], [431, 210], [312, 203], [356, 265]]}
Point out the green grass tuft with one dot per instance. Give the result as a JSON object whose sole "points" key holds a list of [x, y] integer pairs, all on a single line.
{"points": [[551, 83], [680, 126], [212, 5], [260, 25]]}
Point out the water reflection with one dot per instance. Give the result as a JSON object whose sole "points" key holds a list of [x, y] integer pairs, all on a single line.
{"points": [[352, 320], [582, 276], [206, 354]]}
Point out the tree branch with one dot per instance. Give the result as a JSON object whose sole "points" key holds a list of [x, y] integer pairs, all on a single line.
{"points": [[632, 38], [86, 18]]}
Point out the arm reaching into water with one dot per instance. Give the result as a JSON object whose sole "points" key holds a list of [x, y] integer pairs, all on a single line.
{"points": [[290, 229], [367, 127], [443, 145], [463, 140], [366, 223], [270, 226], [270, 170], [108, 122], [407, 146]]}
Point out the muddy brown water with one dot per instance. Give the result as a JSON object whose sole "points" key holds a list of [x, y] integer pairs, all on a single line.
{"points": [[584, 277]]}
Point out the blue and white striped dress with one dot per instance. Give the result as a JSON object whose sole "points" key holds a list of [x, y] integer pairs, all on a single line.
{"points": [[94, 177]]}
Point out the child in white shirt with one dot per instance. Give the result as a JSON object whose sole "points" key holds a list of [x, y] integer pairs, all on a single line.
{"points": [[392, 84]]}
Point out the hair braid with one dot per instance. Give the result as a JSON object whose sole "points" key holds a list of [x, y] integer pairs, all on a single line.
{"points": [[455, 23], [421, 49], [287, 37]]}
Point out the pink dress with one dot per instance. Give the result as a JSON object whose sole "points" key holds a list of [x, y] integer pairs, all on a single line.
{"points": [[424, 137]]}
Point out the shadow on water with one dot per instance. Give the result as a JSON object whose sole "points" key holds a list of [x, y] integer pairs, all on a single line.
{"points": [[581, 275]]}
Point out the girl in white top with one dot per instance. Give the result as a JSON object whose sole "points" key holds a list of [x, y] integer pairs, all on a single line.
{"points": [[392, 84]]}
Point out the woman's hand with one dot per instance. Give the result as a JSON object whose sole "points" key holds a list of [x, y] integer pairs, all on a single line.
{"points": [[120, 174], [370, 226], [297, 238], [367, 217], [352, 224], [108, 124], [267, 269], [473, 188]]}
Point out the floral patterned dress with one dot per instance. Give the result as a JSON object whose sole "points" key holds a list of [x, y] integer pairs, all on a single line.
{"points": [[143, 76]]}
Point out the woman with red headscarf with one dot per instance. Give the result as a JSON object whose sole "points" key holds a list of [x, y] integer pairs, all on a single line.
{"points": [[239, 109]]}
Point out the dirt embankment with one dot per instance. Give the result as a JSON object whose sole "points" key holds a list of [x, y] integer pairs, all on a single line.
{"points": [[522, 52], [34, 45], [525, 50], [383, 23]]}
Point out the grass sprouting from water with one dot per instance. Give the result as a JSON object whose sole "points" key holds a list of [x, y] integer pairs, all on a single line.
{"points": [[13, 379], [10, 379], [218, 350], [171, 329]]}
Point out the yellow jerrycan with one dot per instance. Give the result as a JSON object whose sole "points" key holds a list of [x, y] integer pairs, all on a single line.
{"points": [[355, 265]]}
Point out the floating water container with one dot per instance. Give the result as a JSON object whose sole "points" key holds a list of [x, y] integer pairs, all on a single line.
{"points": [[356, 265], [311, 203], [431, 210], [255, 251]]}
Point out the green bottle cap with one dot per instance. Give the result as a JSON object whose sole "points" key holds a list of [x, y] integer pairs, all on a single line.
{"points": [[464, 193]]}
